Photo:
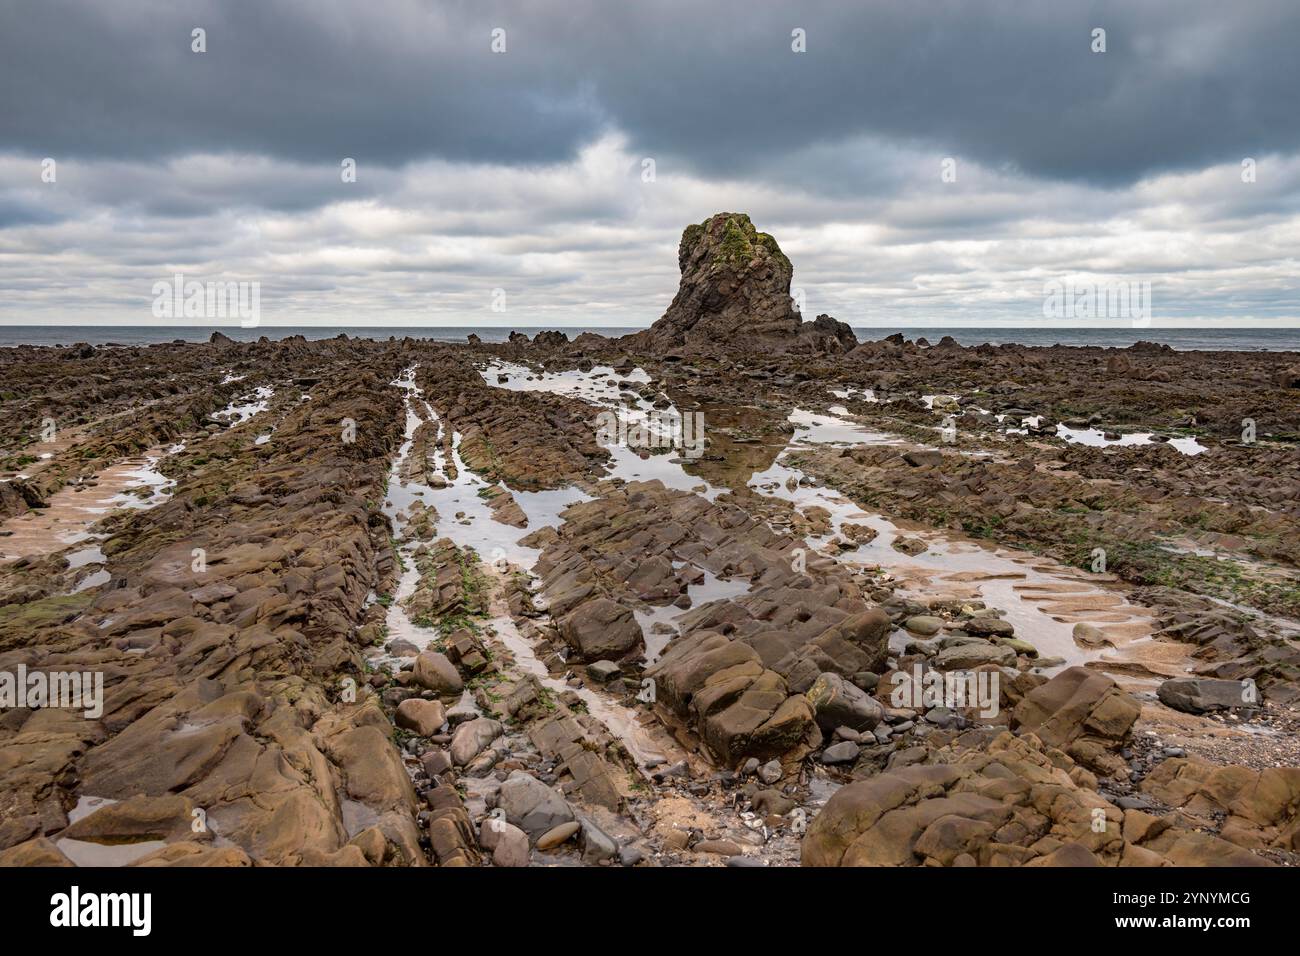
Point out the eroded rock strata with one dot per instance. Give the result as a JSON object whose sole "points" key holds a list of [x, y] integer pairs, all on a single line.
{"points": [[404, 602]]}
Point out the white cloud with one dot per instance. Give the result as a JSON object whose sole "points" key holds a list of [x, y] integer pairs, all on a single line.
{"points": [[585, 242]]}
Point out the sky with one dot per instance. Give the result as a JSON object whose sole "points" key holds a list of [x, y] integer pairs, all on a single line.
{"points": [[534, 163]]}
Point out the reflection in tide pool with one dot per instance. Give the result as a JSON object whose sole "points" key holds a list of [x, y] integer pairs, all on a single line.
{"points": [[1022, 585], [593, 387], [1096, 438]]}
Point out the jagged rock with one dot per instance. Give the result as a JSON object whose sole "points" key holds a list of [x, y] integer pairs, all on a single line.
{"points": [[1288, 377], [1082, 712], [735, 292], [838, 703], [597, 845], [451, 833], [141, 818], [35, 852], [603, 671], [197, 855], [741, 708], [1005, 802], [1249, 808]]}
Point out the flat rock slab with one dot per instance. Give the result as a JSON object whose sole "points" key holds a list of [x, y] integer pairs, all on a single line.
{"points": [[1202, 695]]}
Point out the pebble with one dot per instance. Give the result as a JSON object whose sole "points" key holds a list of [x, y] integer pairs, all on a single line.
{"points": [[923, 624], [845, 752], [557, 835], [720, 847], [630, 855]]}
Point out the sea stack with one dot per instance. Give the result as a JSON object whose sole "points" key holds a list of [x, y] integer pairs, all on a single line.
{"points": [[735, 294]]}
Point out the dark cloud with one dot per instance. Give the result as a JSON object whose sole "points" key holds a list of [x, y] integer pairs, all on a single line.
{"points": [[16, 212], [713, 86], [523, 170]]}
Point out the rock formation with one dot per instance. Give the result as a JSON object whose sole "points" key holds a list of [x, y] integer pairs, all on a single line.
{"points": [[735, 293]]}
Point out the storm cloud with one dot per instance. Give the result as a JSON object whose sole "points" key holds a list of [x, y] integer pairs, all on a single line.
{"points": [[523, 169]]}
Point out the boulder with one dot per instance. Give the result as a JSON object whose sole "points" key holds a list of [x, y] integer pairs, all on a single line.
{"points": [[1200, 695], [510, 845], [602, 629], [422, 717], [557, 835], [837, 703], [532, 805], [1083, 713], [472, 738], [846, 751], [987, 625], [972, 654], [923, 624], [434, 671]]}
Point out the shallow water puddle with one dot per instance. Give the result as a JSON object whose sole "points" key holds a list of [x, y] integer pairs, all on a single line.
{"points": [[87, 555], [995, 576], [462, 514], [478, 529], [834, 429], [622, 722], [664, 619], [855, 394], [246, 406], [626, 463], [76, 507], [86, 853], [1096, 438], [593, 386]]}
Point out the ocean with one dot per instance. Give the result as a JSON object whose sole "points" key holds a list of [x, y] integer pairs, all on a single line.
{"points": [[1267, 340]]}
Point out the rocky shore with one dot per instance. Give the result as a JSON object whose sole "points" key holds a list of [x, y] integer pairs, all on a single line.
{"points": [[407, 603]]}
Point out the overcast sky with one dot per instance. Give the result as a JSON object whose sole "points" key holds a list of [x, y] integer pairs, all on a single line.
{"points": [[526, 170]]}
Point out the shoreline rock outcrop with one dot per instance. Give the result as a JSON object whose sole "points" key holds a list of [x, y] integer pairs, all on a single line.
{"points": [[735, 293]]}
